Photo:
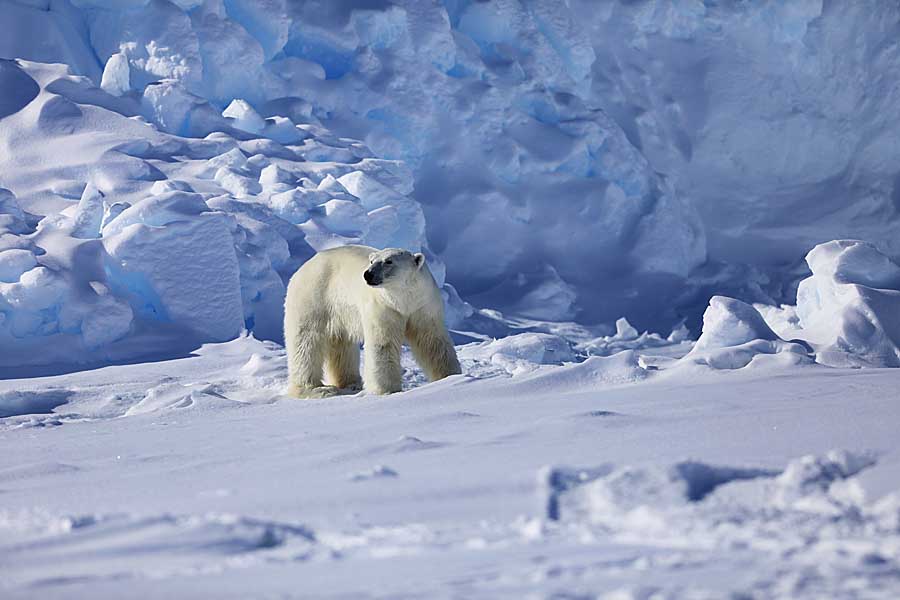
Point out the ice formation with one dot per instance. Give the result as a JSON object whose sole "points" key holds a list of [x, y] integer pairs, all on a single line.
{"points": [[520, 353], [850, 307], [566, 161], [154, 243], [735, 334], [489, 105], [846, 314]]}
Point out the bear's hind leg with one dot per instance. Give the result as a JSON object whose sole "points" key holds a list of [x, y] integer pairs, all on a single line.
{"points": [[342, 364]]}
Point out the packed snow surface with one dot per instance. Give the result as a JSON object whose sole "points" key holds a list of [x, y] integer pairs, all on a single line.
{"points": [[197, 477]]}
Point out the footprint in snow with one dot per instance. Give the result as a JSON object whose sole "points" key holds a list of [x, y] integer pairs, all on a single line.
{"points": [[377, 472], [408, 443]]}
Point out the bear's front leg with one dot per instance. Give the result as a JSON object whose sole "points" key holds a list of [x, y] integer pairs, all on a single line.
{"points": [[383, 339]]}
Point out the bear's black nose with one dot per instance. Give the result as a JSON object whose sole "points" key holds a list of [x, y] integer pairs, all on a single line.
{"points": [[369, 277]]}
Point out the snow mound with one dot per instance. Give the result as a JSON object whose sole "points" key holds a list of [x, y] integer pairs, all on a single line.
{"points": [[596, 371], [850, 307], [633, 496], [812, 515], [31, 402], [225, 538], [735, 334], [522, 353]]}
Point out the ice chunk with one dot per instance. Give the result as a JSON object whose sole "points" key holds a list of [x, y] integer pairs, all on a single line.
{"points": [[168, 104], [520, 353], [734, 333], [158, 210], [231, 159], [28, 301], [372, 193], [849, 309], [233, 61], [185, 273], [628, 338], [105, 320], [236, 183], [853, 261], [293, 205], [332, 186], [88, 215], [729, 322], [343, 216], [169, 185], [808, 482], [244, 117], [624, 330], [283, 130], [116, 75], [273, 174]]}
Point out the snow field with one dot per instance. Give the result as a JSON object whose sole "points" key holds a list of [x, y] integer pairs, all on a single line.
{"points": [[599, 476]]}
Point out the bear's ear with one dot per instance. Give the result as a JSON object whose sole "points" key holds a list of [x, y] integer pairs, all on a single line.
{"points": [[372, 257], [419, 258]]}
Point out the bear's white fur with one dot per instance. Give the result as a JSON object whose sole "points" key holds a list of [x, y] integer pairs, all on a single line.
{"points": [[356, 294]]}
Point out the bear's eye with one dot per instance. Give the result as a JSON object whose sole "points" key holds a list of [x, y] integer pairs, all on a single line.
{"points": [[388, 262]]}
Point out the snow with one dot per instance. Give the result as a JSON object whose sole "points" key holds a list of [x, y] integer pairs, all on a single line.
{"points": [[116, 75], [688, 134], [520, 353], [735, 333], [189, 239], [198, 474], [660, 397], [850, 305], [244, 116], [418, 84]]}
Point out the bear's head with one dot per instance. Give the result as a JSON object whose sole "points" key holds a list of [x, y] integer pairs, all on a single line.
{"points": [[400, 279], [393, 268]]}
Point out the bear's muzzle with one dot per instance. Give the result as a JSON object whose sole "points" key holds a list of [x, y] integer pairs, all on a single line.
{"points": [[371, 278]]}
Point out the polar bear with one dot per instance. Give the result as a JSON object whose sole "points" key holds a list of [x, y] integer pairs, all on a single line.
{"points": [[356, 294]]}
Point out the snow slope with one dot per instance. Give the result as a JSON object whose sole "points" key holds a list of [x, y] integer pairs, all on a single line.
{"points": [[196, 478]]}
